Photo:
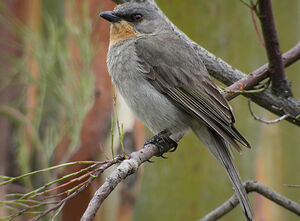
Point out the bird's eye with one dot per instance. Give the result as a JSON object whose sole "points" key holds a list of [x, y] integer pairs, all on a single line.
{"points": [[137, 17]]}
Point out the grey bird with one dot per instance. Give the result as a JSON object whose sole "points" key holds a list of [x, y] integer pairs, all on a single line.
{"points": [[167, 86]]}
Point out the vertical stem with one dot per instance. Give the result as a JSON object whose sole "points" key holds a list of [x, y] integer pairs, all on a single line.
{"points": [[280, 84]]}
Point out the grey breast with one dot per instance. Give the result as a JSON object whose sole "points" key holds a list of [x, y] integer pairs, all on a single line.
{"points": [[149, 106]]}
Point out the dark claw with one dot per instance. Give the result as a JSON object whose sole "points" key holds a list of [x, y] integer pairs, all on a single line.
{"points": [[163, 142], [150, 161], [173, 149]]}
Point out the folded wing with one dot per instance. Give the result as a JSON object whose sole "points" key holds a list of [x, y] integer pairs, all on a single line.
{"points": [[183, 78]]}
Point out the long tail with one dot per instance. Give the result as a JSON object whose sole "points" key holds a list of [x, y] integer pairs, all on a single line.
{"points": [[221, 150]]}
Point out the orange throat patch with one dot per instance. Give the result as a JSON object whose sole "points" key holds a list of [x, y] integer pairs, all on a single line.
{"points": [[121, 31]]}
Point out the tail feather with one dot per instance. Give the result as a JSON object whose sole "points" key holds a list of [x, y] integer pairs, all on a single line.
{"points": [[221, 151]]}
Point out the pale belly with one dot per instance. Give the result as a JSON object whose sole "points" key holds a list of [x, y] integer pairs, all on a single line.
{"points": [[152, 107]]}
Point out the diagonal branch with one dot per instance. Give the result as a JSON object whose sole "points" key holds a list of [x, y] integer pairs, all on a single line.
{"points": [[259, 188], [280, 84], [262, 73], [126, 168]]}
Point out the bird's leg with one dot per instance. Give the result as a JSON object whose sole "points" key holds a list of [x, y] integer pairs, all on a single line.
{"points": [[164, 143]]}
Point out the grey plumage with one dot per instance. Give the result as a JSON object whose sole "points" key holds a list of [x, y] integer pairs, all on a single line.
{"points": [[167, 86], [151, 107]]}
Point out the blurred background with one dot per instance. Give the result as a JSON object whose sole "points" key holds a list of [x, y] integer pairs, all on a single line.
{"points": [[56, 106]]}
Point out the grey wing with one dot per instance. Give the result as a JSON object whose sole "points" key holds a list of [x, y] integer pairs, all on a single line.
{"points": [[175, 70]]}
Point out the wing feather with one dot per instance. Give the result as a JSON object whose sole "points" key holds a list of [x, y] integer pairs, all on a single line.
{"points": [[183, 78]]}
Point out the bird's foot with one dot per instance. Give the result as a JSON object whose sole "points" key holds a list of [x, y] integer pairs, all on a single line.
{"points": [[163, 142]]}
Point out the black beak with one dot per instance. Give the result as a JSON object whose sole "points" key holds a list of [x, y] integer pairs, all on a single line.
{"points": [[109, 16]]}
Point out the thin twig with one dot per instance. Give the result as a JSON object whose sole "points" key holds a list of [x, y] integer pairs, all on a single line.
{"points": [[252, 186], [245, 3], [90, 180], [13, 179], [103, 152], [252, 91], [292, 186], [262, 73], [57, 212], [266, 121], [253, 9], [11, 217], [37, 194], [222, 210]]}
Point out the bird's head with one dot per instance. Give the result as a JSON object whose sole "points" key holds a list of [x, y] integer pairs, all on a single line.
{"points": [[136, 18]]}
